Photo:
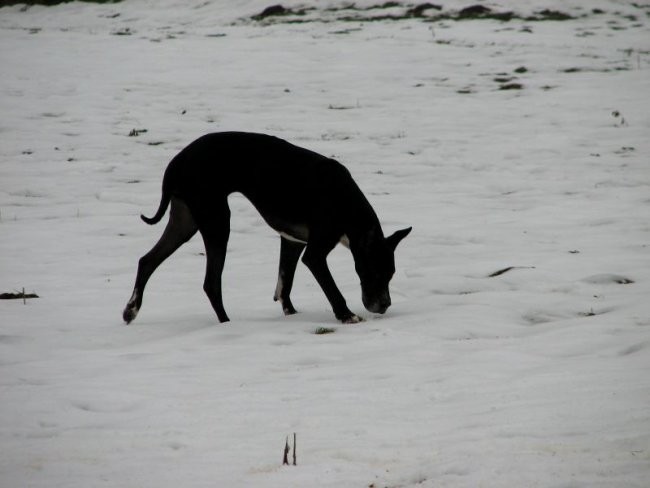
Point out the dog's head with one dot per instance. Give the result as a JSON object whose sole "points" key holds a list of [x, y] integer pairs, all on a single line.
{"points": [[375, 264]]}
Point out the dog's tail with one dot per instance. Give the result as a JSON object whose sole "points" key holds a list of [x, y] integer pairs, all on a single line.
{"points": [[164, 202]]}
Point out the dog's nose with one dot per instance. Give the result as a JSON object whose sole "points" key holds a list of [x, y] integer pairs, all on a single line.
{"points": [[377, 305], [381, 307]]}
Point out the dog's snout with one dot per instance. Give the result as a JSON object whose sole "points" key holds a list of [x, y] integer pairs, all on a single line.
{"points": [[383, 306], [381, 309], [377, 306]]}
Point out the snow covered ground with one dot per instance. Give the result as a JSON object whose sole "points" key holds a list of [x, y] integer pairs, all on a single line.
{"points": [[518, 144]]}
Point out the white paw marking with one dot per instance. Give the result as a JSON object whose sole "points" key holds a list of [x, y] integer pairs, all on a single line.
{"points": [[354, 319]]}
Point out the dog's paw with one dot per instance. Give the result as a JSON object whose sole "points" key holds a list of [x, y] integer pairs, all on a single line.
{"points": [[129, 314], [352, 319]]}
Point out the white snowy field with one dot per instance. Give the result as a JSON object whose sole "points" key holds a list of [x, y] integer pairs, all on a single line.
{"points": [[539, 376]]}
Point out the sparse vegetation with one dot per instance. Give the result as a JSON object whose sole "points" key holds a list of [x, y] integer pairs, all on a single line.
{"points": [[137, 132], [395, 11], [324, 330], [21, 295], [511, 86], [49, 3]]}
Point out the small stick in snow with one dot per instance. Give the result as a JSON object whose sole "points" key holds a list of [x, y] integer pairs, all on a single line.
{"points": [[500, 272], [509, 268], [285, 459]]}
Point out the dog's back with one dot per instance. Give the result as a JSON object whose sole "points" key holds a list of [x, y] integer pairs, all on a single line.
{"points": [[289, 185]]}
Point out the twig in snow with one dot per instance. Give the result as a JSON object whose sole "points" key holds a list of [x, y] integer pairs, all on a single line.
{"points": [[509, 268], [285, 459]]}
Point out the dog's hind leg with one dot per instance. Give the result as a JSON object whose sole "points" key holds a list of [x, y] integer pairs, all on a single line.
{"points": [[180, 228], [289, 254], [215, 230]]}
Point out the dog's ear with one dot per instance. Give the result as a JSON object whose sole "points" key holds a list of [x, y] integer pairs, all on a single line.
{"points": [[395, 239]]}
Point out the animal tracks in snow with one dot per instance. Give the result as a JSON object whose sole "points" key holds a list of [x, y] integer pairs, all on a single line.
{"points": [[608, 279], [106, 403]]}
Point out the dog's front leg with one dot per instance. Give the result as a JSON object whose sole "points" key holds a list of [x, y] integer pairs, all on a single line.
{"points": [[315, 258]]}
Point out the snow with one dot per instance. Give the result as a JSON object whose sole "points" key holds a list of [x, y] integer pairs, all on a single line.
{"points": [[535, 377]]}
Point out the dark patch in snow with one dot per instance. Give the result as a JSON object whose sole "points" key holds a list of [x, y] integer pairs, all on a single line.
{"points": [[474, 11], [47, 3], [541, 317], [634, 348], [17, 296], [324, 330], [547, 14], [576, 69], [279, 11], [593, 313], [512, 86], [395, 11], [126, 31], [419, 10]]}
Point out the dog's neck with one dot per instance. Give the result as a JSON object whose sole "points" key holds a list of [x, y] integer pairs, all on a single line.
{"points": [[362, 232]]}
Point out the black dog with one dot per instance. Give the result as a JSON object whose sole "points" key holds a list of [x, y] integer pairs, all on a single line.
{"points": [[311, 200]]}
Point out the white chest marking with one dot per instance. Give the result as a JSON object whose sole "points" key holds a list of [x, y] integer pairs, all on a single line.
{"points": [[344, 239], [292, 238]]}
